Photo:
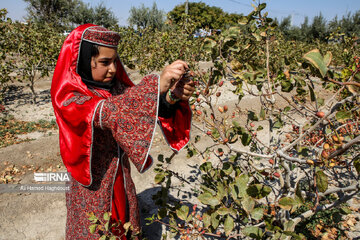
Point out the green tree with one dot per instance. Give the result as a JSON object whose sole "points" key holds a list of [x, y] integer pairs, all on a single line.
{"points": [[318, 28], [305, 29], [104, 16], [56, 12], [83, 14], [6, 50], [144, 17], [285, 26], [38, 46], [204, 16], [64, 14]]}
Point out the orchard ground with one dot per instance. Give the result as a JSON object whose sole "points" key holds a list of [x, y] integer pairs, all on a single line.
{"points": [[33, 216]]}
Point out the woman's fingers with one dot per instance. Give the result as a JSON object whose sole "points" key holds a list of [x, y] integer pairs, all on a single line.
{"points": [[179, 64], [171, 75], [184, 90]]}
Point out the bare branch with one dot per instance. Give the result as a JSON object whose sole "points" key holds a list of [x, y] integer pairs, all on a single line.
{"points": [[345, 147], [249, 153], [310, 213], [291, 159], [342, 190], [336, 106]]}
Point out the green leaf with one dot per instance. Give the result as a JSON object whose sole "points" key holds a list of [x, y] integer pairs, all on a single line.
{"points": [[320, 101], [328, 58], [103, 237], [207, 189], [92, 228], [215, 133], [315, 58], [205, 167], [257, 213], [162, 213], [161, 158], [209, 44], [312, 94], [286, 85], [106, 216], [253, 232], [261, 7], [259, 128], [345, 210], [234, 31], [288, 225], [288, 203], [159, 178], [221, 192], [243, 20], [107, 226], [227, 168], [206, 220], [228, 225], [224, 211], [357, 165], [215, 220], [321, 181], [252, 116], [241, 182], [248, 204], [245, 139], [258, 191], [233, 191], [183, 212], [298, 194], [262, 114], [208, 199], [342, 116], [294, 235], [278, 125], [93, 218]]}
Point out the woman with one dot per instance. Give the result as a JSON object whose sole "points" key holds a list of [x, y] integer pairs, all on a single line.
{"points": [[105, 120]]}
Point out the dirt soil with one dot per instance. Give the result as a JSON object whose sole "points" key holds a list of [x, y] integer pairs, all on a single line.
{"points": [[36, 216]]}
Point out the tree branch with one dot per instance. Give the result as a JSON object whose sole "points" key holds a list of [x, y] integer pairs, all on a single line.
{"points": [[310, 213], [345, 147]]}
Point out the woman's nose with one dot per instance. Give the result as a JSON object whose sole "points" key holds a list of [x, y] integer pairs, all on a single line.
{"points": [[112, 67]]}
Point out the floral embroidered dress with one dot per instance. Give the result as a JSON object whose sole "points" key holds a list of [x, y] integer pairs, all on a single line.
{"points": [[101, 131]]}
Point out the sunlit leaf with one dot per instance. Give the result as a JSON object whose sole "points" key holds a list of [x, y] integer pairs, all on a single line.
{"points": [[315, 58], [321, 181], [208, 199], [257, 213], [183, 212], [159, 178], [258, 191], [342, 116], [253, 232], [228, 225]]}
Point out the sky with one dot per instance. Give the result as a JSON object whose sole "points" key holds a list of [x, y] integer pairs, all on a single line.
{"points": [[280, 9]]}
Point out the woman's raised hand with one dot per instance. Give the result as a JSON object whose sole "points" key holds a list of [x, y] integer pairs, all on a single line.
{"points": [[172, 74]]}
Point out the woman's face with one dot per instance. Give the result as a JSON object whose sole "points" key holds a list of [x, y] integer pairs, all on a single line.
{"points": [[103, 66]]}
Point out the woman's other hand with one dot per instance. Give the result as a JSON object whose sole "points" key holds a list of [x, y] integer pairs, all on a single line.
{"points": [[184, 89]]}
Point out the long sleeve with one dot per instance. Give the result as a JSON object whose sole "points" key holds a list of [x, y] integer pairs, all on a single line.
{"points": [[131, 116], [166, 110]]}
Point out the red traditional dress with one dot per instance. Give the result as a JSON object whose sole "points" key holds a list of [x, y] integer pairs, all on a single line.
{"points": [[100, 131]]}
